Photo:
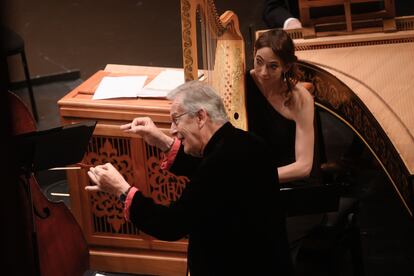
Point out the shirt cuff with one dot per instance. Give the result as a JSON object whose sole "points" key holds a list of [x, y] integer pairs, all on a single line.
{"points": [[287, 21], [128, 202], [170, 156]]}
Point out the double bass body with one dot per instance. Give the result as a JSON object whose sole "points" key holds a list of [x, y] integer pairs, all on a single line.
{"points": [[58, 244]]}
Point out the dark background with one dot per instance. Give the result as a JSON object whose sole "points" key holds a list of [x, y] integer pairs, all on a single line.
{"points": [[86, 35]]}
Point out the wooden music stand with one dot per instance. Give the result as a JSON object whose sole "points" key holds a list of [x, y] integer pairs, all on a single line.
{"points": [[381, 18]]}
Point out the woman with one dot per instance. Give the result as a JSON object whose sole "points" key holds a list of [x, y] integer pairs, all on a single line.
{"points": [[279, 108]]}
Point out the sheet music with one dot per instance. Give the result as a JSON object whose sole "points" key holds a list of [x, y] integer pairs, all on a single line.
{"points": [[119, 87], [163, 83], [167, 80], [133, 86]]}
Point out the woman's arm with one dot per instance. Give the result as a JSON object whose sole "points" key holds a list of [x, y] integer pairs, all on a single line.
{"points": [[302, 112]]}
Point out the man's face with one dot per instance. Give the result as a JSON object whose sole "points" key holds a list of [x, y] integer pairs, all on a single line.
{"points": [[184, 125]]}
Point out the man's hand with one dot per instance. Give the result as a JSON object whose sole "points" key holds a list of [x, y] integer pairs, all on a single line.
{"points": [[151, 134], [107, 179]]}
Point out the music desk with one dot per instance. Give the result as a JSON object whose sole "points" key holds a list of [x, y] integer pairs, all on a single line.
{"points": [[115, 244]]}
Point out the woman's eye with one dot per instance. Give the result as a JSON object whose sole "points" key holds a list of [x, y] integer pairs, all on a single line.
{"points": [[273, 66], [259, 62]]}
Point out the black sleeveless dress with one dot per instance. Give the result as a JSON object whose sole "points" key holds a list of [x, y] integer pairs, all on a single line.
{"points": [[266, 122], [279, 133]]}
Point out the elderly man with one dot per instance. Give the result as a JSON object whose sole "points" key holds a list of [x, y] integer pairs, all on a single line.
{"points": [[230, 209]]}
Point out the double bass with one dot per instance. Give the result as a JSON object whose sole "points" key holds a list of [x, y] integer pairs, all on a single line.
{"points": [[57, 242]]}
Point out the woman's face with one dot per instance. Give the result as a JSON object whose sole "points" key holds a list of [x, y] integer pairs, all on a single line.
{"points": [[268, 67]]}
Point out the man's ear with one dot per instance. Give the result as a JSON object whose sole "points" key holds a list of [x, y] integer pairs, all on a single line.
{"points": [[202, 117]]}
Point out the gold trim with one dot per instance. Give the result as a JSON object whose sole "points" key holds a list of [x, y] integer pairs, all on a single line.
{"points": [[187, 43], [354, 44]]}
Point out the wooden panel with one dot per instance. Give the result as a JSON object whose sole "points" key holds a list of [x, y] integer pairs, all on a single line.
{"points": [[116, 245], [347, 21]]}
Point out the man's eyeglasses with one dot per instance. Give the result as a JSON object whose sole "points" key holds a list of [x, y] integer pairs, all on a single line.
{"points": [[176, 118]]}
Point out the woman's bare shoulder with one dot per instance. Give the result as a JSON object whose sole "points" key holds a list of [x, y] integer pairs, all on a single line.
{"points": [[303, 95]]}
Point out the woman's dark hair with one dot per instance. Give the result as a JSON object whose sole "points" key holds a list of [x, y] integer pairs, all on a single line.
{"points": [[282, 46]]}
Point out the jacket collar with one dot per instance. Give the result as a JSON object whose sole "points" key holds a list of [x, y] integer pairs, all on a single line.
{"points": [[217, 136]]}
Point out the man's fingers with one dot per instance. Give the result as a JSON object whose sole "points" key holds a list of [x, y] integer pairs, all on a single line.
{"points": [[92, 176], [92, 188], [106, 166], [138, 129], [126, 127]]}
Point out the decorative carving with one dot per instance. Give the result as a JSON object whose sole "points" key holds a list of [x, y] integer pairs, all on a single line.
{"points": [[108, 206], [339, 99], [164, 186], [107, 210], [329, 91], [187, 41], [116, 151]]}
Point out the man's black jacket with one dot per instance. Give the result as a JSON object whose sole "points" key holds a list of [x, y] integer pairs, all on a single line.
{"points": [[230, 210]]}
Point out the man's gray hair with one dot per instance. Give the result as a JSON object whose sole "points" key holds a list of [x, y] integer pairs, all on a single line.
{"points": [[195, 95]]}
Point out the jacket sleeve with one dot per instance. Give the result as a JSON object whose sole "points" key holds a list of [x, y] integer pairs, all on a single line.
{"points": [[184, 164], [275, 13], [168, 223]]}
